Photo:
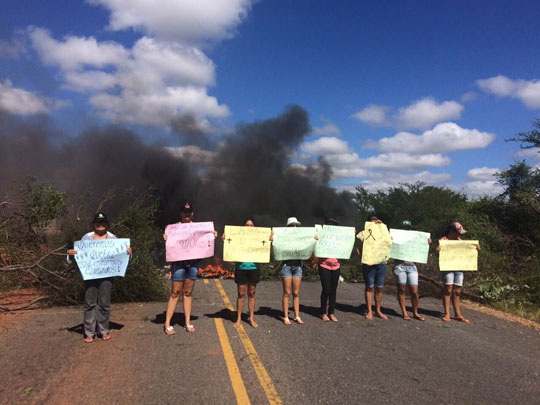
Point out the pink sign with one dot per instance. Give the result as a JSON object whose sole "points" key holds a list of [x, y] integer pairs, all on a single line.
{"points": [[194, 240]]}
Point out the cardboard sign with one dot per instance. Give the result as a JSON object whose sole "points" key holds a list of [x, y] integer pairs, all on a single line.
{"points": [[246, 244], [458, 255], [101, 258], [292, 243], [335, 242], [192, 240], [408, 245]]}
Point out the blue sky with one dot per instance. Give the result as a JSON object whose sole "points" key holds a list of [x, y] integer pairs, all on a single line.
{"points": [[396, 91]]}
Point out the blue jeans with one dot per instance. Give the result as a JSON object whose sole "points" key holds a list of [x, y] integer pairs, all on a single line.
{"points": [[406, 275], [374, 275], [291, 271], [181, 271], [452, 278]]}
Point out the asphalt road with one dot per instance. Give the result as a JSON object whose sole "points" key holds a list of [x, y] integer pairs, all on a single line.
{"points": [[43, 358]]}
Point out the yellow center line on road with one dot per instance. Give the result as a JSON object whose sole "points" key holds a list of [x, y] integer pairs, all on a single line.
{"points": [[264, 378], [205, 280], [232, 367]]}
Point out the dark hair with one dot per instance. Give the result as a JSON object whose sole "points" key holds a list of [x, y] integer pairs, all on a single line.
{"points": [[330, 221], [373, 217], [449, 229], [249, 219]]}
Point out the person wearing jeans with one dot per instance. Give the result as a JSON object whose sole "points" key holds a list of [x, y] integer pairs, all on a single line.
{"points": [[291, 277]]}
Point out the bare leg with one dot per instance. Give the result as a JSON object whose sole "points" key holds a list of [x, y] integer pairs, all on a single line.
{"points": [[413, 290], [240, 303], [186, 302], [296, 296], [251, 304], [401, 300], [369, 301], [378, 302], [446, 302], [287, 285], [176, 289], [456, 292]]}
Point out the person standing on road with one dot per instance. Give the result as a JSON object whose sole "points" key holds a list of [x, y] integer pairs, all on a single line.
{"points": [[329, 272], [246, 277], [406, 274], [374, 276], [291, 276], [183, 275], [453, 280], [97, 292]]}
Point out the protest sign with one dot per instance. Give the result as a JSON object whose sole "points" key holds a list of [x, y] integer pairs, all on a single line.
{"points": [[458, 255], [246, 244], [188, 241], [335, 242], [293, 243], [376, 243], [100, 258], [408, 245]]}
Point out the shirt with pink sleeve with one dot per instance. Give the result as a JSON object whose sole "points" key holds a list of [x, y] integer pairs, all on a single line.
{"points": [[330, 264]]}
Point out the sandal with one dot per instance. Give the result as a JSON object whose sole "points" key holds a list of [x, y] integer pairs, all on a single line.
{"points": [[286, 321], [169, 331], [189, 328], [106, 336], [333, 318], [325, 318], [89, 339], [298, 320]]}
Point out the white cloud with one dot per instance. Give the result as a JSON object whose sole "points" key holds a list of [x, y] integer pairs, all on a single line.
{"points": [[527, 91], [192, 153], [328, 129], [76, 52], [468, 97], [151, 83], [187, 21], [421, 114], [405, 161], [425, 113], [20, 101], [386, 180], [478, 188], [482, 173], [325, 146], [372, 115], [444, 137]]}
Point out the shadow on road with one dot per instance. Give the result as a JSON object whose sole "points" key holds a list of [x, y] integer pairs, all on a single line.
{"points": [[80, 327], [224, 313], [177, 319], [272, 312]]}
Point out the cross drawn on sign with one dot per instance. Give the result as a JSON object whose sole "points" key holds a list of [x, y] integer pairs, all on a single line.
{"points": [[370, 234], [263, 242], [229, 240]]}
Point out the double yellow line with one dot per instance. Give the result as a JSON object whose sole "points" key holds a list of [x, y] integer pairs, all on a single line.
{"points": [[232, 367]]}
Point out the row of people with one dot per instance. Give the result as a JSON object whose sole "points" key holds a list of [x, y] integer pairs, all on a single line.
{"points": [[247, 275]]}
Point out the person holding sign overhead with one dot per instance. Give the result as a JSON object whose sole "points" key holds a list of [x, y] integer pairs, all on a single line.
{"points": [[183, 275], [453, 280], [377, 244], [291, 276], [97, 292], [406, 274]]}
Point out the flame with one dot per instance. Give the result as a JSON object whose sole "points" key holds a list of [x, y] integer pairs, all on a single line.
{"points": [[215, 270]]}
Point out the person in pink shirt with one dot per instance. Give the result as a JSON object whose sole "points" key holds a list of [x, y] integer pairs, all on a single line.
{"points": [[329, 272]]}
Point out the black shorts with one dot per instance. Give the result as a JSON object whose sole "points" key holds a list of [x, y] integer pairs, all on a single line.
{"points": [[247, 276]]}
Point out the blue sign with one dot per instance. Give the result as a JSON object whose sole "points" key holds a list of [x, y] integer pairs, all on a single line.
{"points": [[100, 258]]}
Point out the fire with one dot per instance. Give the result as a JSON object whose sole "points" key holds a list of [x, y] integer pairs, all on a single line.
{"points": [[215, 270]]}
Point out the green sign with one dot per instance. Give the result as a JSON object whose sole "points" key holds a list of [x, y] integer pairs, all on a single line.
{"points": [[335, 242], [411, 246], [293, 243]]}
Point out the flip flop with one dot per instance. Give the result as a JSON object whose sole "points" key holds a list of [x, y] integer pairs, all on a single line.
{"points": [[286, 321], [106, 336], [169, 331], [298, 320], [189, 328], [89, 339], [333, 318]]}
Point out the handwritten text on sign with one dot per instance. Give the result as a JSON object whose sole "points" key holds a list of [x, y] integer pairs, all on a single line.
{"points": [[100, 258], [246, 244], [193, 240], [407, 245], [293, 243], [377, 243], [458, 255], [335, 242]]}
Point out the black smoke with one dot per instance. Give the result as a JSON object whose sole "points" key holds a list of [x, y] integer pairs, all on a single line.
{"points": [[249, 173]]}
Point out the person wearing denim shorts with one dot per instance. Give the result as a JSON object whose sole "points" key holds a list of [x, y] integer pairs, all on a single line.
{"points": [[453, 280], [374, 276], [183, 276], [406, 274], [291, 277]]}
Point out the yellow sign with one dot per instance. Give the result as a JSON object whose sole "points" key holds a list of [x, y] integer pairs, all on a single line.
{"points": [[458, 255], [246, 244], [377, 243]]}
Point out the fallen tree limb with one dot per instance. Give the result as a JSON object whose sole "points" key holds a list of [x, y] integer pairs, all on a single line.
{"points": [[29, 304]]}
